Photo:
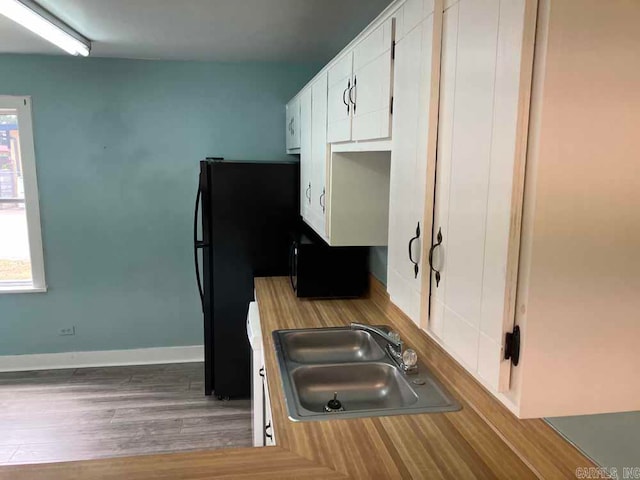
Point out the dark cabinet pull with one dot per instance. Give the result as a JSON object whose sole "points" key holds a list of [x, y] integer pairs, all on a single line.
{"points": [[307, 193], [344, 94], [416, 268], [261, 372], [355, 80], [322, 195], [433, 247], [267, 427]]}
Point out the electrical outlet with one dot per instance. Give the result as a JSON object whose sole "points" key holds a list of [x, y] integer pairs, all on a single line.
{"points": [[67, 331]]}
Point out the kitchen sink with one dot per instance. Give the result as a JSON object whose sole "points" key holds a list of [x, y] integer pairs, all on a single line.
{"points": [[352, 367], [361, 386], [331, 345]]}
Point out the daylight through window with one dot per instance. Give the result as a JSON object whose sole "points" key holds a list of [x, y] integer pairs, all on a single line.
{"points": [[20, 239]]}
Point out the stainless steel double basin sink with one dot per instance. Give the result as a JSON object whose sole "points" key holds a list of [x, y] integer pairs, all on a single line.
{"points": [[352, 366]]}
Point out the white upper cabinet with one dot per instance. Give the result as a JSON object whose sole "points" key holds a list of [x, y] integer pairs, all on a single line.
{"points": [[411, 14], [359, 93], [339, 106], [293, 125], [319, 152], [479, 109], [411, 126], [344, 197], [306, 169], [579, 268], [313, 154], [370, 94]]}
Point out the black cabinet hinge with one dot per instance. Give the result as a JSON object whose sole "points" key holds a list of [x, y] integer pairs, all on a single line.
{"points": [[391, 106], [393, 50], [512, 346]]}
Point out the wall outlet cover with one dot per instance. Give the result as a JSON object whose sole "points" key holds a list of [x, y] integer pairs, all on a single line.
{"points": [[66, 331]]}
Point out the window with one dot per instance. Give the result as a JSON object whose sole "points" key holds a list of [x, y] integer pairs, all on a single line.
{"points": [[21, 259]]}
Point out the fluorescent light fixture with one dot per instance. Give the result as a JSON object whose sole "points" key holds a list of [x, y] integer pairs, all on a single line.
{"points": [[33, 17]]}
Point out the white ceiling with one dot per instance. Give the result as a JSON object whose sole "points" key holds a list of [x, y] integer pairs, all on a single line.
{"points": [[224, 30]]}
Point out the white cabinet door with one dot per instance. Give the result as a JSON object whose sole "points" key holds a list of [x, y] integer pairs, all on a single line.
{"points": [[318, 153], [257, 374], [289, 125], [306, 187], [339, 106], [359, 89], [412, 98], [467, 165], [293, 125], [479, 104], [370, 95]]}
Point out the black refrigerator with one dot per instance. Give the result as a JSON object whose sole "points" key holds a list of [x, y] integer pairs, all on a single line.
{"points": [[246, 211]]}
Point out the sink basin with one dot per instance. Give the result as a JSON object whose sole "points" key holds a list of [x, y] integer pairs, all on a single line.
{"points": [[331, 345], [317, 364], [360, 386]]}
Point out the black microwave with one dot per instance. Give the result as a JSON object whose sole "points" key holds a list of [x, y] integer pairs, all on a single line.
{"points": [[317, 270]]}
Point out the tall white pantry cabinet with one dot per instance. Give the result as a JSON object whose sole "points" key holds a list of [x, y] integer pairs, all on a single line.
{"points": [[415, 111], [492, 146]]}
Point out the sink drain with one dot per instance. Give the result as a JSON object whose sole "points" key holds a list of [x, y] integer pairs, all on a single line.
{"points": [[334, 405]]}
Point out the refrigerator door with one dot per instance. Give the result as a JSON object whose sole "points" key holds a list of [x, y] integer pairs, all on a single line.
{"points": [[205, 285], [248, 211]]}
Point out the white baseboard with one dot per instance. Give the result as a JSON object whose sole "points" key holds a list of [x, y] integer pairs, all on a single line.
{"points": [[103, 358]]}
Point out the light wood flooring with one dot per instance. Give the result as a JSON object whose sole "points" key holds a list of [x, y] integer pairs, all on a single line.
{"points": [[88, 413]]}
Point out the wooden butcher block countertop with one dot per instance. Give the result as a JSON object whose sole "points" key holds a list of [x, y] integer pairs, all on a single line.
{"points": [[483, 440]]}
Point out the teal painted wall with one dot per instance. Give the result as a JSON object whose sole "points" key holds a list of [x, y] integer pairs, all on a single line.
{"points": [[117, 150]]}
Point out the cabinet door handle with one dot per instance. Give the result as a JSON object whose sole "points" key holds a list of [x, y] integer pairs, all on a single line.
{"points": [[433, 247], [322, 195], [261, 372], [344, 95], [307, 193], [355, 81], [416, 268], [267, 428]]}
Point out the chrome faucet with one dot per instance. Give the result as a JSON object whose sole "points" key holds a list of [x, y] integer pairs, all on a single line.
{"points": [[394, 347]]}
